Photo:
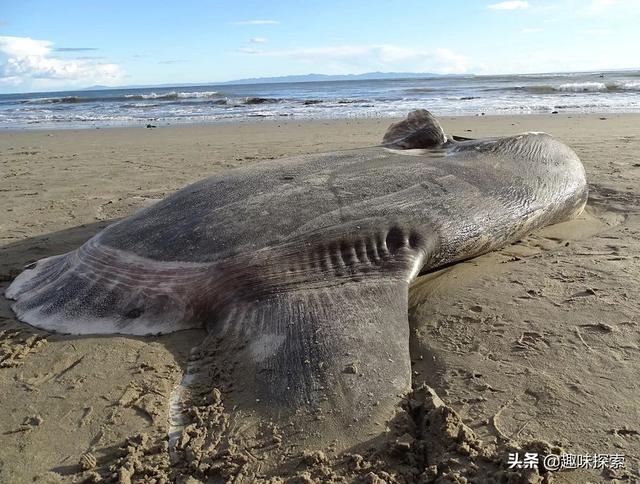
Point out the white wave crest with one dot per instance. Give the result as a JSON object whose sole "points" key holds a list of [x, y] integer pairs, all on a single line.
{"points": [[198, 94], [174, 95], [583, 87], [629, 85]]}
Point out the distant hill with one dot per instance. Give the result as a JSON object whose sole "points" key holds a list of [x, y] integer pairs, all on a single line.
{"points": [[98, 88], [281, 79], [326, 77]]}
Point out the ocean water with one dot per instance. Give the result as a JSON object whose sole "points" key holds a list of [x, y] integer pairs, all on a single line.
{"points": [[607, 92]]}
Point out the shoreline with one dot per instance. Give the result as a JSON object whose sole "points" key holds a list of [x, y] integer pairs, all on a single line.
{"points": [[290, 119], [267, 120]]}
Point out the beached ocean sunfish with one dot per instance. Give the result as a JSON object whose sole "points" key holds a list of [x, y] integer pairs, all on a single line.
{"points": [[299, 268]]}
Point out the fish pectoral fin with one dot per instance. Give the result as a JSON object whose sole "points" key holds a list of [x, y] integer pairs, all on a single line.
{"points": [[99, 290], [332, 355], [419, 130]]}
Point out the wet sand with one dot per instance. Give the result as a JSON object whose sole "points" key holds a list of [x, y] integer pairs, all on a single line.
{"points": [[534, 345]]}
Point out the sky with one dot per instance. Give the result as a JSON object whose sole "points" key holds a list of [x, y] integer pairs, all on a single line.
{"points": [[62, 45]]}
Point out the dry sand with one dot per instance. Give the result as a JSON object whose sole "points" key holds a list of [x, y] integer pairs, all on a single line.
{"points": [[530, 347]]}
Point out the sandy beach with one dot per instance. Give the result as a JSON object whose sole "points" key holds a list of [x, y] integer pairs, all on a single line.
{"points": [[530, 348]]}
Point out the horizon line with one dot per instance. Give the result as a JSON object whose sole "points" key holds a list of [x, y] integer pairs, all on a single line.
{"points": [[231, 82]]}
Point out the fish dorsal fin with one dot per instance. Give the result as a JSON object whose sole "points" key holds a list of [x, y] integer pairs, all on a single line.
{"points": [[419, 130]]}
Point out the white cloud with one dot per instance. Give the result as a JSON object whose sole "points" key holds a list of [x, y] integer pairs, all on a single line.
{"points": [[600, 4], [257, 40], [348, 59], [556, 61], [597, 7], [510, 5], [596, 31], [531, 30], [24, 46], [26, 61], [249, 50], [75, 49], [256, 22]]}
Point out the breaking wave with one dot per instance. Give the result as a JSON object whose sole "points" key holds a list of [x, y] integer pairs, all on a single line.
{"points": [[55, 100], [163, 96], [174, 95], [571, 87], [422, 89], [583, 87]]}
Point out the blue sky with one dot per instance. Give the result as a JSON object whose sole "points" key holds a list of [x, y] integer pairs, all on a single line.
{"points": [[55, 45]]}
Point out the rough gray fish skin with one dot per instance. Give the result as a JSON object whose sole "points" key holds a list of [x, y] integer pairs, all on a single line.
{"points": [[299, 268]]}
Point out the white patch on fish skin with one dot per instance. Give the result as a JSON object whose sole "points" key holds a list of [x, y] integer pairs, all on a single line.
{"points": [[417, 265], [266, 346], [408, 152], [86, 325], [178, 419], [154, 279], [25, 276]]}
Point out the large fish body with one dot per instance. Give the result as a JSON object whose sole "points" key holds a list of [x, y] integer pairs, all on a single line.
{"points": [[299, 268]]}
